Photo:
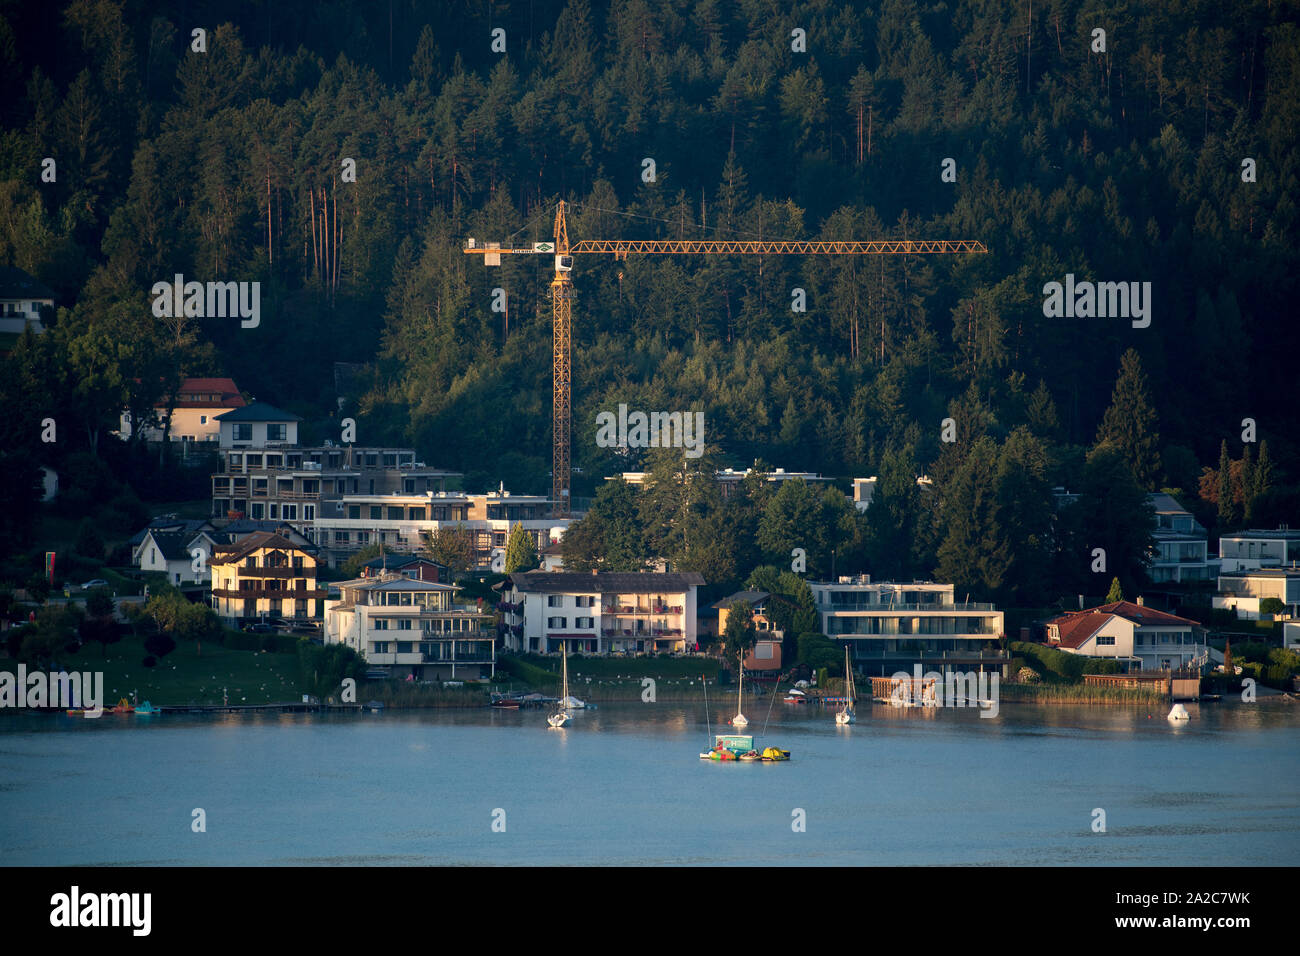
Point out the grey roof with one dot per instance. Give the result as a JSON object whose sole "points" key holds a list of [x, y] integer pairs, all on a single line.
{"points": [[172, 544], [614, 582], [402, 584], [1163, 502], [17, 284], [190, 526], [752, 598], [258, 412]]}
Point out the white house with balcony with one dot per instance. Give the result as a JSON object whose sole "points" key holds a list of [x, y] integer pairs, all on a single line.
{"points": [[1256, 548], [258, 425], [412, 629], [1181, 543], [885, 623], [601, 613], [1245, 591], [1135, 636]]}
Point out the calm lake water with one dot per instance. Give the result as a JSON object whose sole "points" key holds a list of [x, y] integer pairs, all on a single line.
{"points": [[624, 785]]}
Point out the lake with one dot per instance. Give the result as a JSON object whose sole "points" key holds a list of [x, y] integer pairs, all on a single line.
{"points": [[624, 785]]}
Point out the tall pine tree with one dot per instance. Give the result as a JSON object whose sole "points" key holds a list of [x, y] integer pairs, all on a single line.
{"points": [[1130, 422]]}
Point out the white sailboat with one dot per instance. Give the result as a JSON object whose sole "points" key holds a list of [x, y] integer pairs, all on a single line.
{"points": [[740, 720], [562, 716], [845, 715]]}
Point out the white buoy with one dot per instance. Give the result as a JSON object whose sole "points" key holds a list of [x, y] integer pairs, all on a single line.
{"points": [[1179, 712]]}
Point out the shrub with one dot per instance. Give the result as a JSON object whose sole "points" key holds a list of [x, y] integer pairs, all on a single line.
{"points": [[90, 543], [159, 645], [149, 661]]}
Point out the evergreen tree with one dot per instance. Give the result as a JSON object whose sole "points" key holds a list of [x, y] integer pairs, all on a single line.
{"points": [[521, 550], [1130, 422], [1116, 593], [1228, 514], [1247, 484]]}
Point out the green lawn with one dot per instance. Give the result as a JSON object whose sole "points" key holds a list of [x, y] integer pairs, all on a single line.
{"points": [[184, 677]]}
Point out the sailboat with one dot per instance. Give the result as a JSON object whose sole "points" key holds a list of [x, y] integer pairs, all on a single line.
{"points": [[562, 716], [740, 720], [845, 715]]}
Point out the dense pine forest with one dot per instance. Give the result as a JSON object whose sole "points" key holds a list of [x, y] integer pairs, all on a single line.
{"points": [[1111, 158]]}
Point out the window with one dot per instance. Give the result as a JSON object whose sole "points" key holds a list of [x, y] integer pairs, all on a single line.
{"points": [[555, 600], [242, 431], [381, 647], [404, 647], [235, 462], [291, 512], [203, 419], [584, 600], [276, 432], [308, 512], [404, 624], [342, 537], [363, 537], [381, 624], [354, 512], [395, 514], [557, 622], [275, 509], [584, 622], [376, 512], [1106, 640]]}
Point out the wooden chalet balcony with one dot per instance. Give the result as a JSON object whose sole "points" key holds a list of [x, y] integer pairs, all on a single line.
{"points": [[268, 593], [261, 572]]}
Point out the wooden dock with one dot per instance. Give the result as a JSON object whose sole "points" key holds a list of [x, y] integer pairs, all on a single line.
{"points": [[287, 707]]}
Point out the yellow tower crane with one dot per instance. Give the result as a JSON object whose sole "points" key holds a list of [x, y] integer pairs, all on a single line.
{"points": [[562, 297]]}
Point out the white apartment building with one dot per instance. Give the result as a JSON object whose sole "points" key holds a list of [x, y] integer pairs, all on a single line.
{"points": [[601, 613], [411, 628], [1246, 590], [889, 623], [401, 521], [1255, 549]]}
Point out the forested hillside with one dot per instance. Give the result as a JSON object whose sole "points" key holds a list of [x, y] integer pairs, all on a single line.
{"points": [[1122, 165]]}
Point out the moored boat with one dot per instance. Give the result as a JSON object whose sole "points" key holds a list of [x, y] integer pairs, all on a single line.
{"points": [[148, 710], [562, 716], [846, 714]]}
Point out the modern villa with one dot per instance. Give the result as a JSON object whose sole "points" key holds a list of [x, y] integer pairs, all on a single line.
{"points": [[887, 625]]}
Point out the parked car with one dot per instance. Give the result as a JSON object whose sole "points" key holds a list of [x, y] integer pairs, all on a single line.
{"points": [[96, 583], [259, 628]]}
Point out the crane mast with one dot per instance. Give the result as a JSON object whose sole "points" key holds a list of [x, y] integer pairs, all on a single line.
{"points": [[562, 300]]}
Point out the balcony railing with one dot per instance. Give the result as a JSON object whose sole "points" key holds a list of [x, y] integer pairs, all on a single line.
{"points": [[268, 594], [887, 608], [245, 571]]}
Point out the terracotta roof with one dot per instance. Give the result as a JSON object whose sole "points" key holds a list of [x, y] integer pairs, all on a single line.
{"points": [[1076, 627], [224, 388]]}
